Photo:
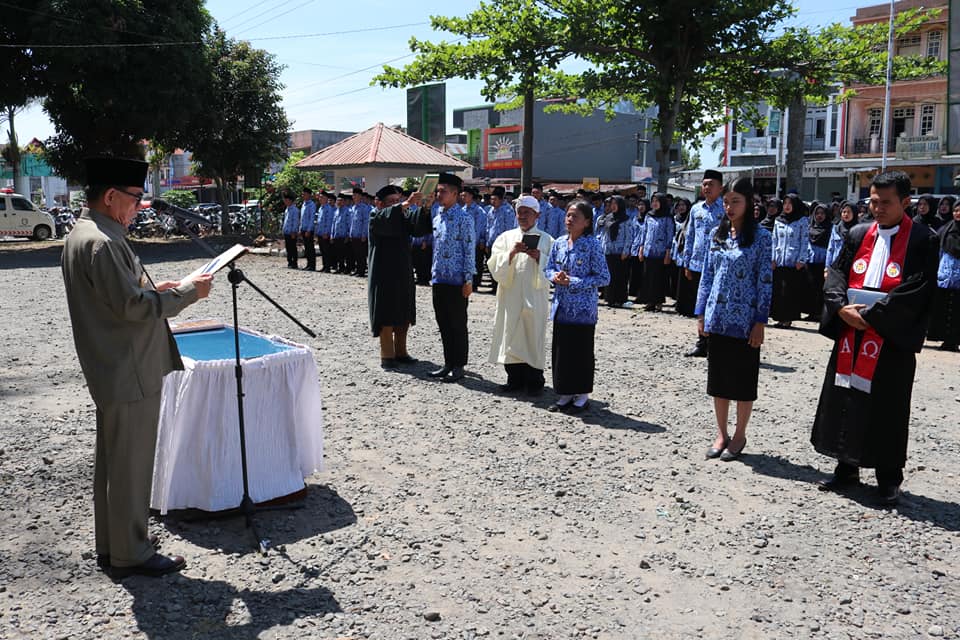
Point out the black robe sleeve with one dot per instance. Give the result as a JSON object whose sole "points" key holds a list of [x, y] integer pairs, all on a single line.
{"points": [[835, 284], [395, 222]]}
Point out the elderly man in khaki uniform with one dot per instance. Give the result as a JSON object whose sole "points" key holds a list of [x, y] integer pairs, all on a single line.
{"points": [[125, 348]]}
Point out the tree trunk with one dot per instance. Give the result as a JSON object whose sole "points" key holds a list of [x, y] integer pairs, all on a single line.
{"points": [[667, 126], [526, 168], [224, 210], [20, 185], [796, 122]]}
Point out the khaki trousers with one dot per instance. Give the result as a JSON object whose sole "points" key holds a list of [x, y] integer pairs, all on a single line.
{"points": [[122, 479]]}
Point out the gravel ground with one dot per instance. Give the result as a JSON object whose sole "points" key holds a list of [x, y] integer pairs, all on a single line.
{"points": [[448, 511]]}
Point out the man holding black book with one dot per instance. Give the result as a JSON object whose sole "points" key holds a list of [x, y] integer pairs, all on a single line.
{"points": [[517, 259]]}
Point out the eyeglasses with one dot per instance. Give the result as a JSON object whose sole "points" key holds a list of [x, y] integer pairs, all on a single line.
{"points": [[137, 196]]}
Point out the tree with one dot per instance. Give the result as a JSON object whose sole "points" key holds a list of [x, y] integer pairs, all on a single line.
{"points": [[810, 67], [690, 58], [689, 158], [510, 45], [180, 198], [243, 126], [99, 97], [21, 79]]}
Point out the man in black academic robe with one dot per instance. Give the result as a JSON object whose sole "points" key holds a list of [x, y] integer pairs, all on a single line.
{"points": [[391, 291], [862, 429]]}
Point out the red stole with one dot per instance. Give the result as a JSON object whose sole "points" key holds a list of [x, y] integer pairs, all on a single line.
{"points": [[856, 370]]}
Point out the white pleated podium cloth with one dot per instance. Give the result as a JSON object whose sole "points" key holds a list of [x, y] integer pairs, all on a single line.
{"points": [[197, 463]]}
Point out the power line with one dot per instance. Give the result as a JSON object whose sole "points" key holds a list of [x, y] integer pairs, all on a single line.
{"points": [[278, 16], [255, 5], [62, 18], [261, 14]]}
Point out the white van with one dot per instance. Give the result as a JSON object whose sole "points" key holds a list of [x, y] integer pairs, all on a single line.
{"points": [[21, 218]]}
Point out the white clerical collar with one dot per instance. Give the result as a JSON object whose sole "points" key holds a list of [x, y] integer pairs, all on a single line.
{"points": [[887, 233]]}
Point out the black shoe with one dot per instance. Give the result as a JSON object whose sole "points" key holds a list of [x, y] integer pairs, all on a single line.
{"points": [[730, 456], [948, 346], [455, 374], [556, 406], [291, 266], [696, 352], [534, 392], [838, 482], [388, 363], [103, 559], [508, 388], [407, 359], [158, 565], [309, 269], [440, 373], [889, 495], [578, 408], [713, 452]]}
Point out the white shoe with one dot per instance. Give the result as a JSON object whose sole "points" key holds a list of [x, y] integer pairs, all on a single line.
{"points": [[627, 305]]}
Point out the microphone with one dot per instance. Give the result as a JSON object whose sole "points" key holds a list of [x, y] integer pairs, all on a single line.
{"points": [[163, 206]]}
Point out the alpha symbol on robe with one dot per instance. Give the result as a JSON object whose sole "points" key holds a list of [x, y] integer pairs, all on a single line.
{"points": [[870, 349], [860, 266], [845, 346], [893, 270]]}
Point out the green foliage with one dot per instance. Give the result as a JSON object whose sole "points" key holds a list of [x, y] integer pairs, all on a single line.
{"points": [[243, 126], [180, 198], [410, 184], [688, 57], [102, 99], [290, 177], [689, 158]]}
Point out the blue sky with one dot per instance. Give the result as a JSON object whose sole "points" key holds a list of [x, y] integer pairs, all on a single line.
{"points": [[327, 76]]}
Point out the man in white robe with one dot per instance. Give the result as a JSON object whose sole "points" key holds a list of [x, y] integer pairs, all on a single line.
{"points": [[523, 300]]}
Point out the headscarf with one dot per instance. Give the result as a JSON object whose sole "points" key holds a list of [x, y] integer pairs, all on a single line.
{"points": [[799, 209], [932, 219], [612, 221], [679, 217], [768, 220], [950, 238], [942, 220], [819, 231], [664, 209], [843, 227]]}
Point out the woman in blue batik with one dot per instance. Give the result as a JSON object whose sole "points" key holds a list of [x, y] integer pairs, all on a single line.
{"points": [[847, 221], [790, 248], [655, 252], [577, 267], [635, 267], [945, 315], [733, 303], [819, 235], [616, 237]]}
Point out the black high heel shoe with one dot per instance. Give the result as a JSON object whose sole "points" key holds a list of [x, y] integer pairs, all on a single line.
{"points": [[714, 452], [730, 456]]}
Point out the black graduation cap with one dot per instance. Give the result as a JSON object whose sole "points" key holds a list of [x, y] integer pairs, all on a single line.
{"points": [[122, 172], [451, 180]]}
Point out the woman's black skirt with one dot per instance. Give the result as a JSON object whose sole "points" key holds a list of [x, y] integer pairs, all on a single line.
{"points": [[733, 368], [654, 281], [788, 294], [687, 292], [572, 355], [945, 316], [815, 279], [636, 278], [672, 273], [616, 292]]}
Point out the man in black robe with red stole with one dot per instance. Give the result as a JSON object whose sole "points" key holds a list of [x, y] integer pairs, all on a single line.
{"points": [[864, 410]]}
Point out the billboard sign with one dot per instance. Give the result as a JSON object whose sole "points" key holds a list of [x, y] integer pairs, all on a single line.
{"points": [[502, 148]]}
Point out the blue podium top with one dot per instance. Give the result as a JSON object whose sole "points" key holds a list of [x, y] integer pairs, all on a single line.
{"points": [[217, 344]]}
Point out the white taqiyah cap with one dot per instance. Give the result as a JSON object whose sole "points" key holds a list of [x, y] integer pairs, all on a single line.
{"points": [[527, 201]]}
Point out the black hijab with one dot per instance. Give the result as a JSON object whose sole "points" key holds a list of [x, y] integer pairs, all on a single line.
{"points": [[947, 219], [844, 227], [612, 221], [799, 209], [768, 220], [950, 238], [819, 231], [664, 209]]}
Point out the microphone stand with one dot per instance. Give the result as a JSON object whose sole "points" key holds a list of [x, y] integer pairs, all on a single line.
{"points": [[247, 507]]}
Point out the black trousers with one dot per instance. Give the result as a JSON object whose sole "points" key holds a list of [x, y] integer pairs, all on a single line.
{"points": [[481, 258], [359, 248], [616, 292], [885, 477], [326, 252], [450, 309], [520, 375], [309, 250], [290, 244]]}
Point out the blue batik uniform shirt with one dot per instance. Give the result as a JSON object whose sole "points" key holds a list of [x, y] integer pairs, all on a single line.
{"points": [[308, 214], [948, 271], [623, 242], [341, 223], [479, 217], [736, 286], [454, 241], [502, 219], [791, 241], [586, 265], [703, 218], [291, 221], [325, 219], [658, 236], [360, 220]]}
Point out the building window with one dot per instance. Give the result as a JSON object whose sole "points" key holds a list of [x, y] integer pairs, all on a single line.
{"points": [[820, 130], [934, 42], [876, 120], [927, 113], [833, 125], [909, 45]]}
